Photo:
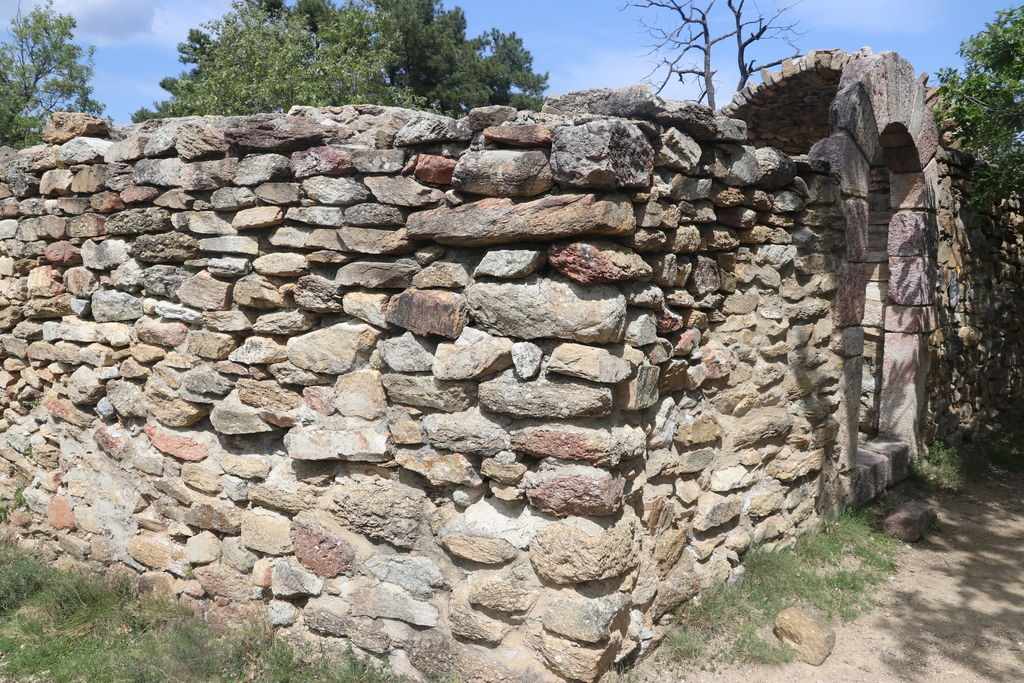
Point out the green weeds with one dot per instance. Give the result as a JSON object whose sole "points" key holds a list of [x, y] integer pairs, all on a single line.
{"points": [[71, 627], [830, 571]]}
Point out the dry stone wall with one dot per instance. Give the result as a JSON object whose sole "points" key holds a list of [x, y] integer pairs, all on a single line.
{"points": [[491, 395], [976, 351]]}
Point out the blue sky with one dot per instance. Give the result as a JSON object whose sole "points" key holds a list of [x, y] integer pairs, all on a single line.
{"points": [[580, 43]]}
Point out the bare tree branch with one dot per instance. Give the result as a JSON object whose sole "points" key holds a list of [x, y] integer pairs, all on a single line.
{"points": [[689, 30]]}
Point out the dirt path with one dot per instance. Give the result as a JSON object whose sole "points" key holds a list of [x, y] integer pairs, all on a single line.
{"points": [[953, 612]]}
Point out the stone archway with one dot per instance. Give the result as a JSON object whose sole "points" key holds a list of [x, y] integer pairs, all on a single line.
{"points": [[884, 138]]}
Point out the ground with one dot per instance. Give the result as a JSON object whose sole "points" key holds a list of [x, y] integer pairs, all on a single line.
{"points": [[954, 611]]}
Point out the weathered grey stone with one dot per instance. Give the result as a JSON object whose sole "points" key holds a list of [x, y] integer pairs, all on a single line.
{"points": [[429, 392], [402, 191], [266, 532], [335, 191], [377, 275], [428, 128], [137, 221], [381, 509], [774, 168], [603, 155], [105, 255], [333, 350], [255, 169], [440, 469], [679, 151], [512, 264], [549, 308], [391, 602], [632, 101], [467, 432], [360, 445], [406, 353], [503, 173], [586, 620], [544, 398], [472, 356], [499, 221], [418, 575], [111, 306]]}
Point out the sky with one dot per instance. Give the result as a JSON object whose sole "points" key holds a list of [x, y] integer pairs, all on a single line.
{"points": [[579, 43]]}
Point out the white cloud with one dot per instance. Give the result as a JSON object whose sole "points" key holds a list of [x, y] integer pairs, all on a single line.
{"points": [[109, 22], [120, 22]]}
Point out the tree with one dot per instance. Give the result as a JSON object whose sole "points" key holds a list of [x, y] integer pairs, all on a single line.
{"points": [[265, 57], [437, 62], [42, 71], [692, 32], [985, 104]]}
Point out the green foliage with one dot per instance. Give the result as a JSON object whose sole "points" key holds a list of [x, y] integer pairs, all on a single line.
{"points": [[985, 103], [75, 627], [42, 71], [994, 445], [453, 74], [264, 59], [830, 571], [265, 56]]}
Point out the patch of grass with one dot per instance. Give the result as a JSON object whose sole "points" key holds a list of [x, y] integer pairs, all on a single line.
{"points": [[71, 627], [829, 571], [990, 448]]}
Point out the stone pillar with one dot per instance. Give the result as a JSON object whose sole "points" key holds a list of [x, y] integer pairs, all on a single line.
{"points": [[903, 387]]}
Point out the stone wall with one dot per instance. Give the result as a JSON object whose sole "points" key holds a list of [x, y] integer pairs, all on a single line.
{"points": [[977, 349], [492, 395]]}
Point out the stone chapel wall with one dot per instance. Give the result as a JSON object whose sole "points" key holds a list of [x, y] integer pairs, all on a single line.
{"points": [[493, 394]]}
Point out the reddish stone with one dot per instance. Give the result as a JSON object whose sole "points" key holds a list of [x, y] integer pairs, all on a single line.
{"points": [[63, 409], [911, 319], [857, 212], [578, 496], [106, 202], [429, 311], [718, 361], [178, 446], [59, 513], [668, 321], [222, 581], [583, 263], [88, 225], [688, 341], [321, 161], [110, 443], [139, 194], [45, 281], [435, 169], [319, 399], [161, 334], [534, 135], [909, 521], [322, 551], [63, 253], [283, 135], [851, 297], [225, 519], [911, 280], [81, 282], [913, 233], [564, 445]]}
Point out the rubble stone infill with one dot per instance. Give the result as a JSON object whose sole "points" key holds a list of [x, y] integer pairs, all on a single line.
{"points": [[494, 394]]}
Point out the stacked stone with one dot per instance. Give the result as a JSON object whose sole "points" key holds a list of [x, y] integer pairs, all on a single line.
{"points": [[976, 350], [504, 390], [789, 108]]}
